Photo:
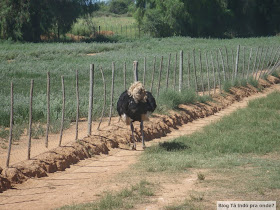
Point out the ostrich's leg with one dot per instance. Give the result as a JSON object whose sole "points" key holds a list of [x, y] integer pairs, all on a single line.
{"points": [[132, 130], [142, 132]]}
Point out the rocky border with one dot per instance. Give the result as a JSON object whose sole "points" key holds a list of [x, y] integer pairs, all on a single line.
{"points": [[62, 157]]}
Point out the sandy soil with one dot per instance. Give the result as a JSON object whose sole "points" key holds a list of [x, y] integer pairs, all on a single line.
{"points": [[89, 178]]}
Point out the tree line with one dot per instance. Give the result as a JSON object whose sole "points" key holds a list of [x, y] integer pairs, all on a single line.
{"points": [[28, 20], [209, 18]]}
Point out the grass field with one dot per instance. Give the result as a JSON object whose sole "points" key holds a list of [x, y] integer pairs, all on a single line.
{"points": [[123, 27], [244, 147], [21, 62], [238, 157]]}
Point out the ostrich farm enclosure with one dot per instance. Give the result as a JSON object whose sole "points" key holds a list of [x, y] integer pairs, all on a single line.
{"points": [[102, 165]]}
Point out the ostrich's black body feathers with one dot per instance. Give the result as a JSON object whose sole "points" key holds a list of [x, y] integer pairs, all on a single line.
{"points": [[135, 111]]}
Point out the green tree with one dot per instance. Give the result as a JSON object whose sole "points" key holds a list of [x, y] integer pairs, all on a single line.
{"points": [[13, 17], [163, 18], [181, 17], [255, 17], [64, 13], [28, 19], [204, 18]]}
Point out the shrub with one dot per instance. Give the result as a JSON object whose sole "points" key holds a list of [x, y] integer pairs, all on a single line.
{"points": [[253, 82], [227, 86], [171, 99]]}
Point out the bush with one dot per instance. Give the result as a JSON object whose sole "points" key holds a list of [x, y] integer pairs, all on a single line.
{"points": [[83, 27], [253, 82], [171, 99], [227, 86]]}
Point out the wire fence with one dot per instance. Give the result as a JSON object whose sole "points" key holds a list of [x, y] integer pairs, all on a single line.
{"points": [[202, 72]]}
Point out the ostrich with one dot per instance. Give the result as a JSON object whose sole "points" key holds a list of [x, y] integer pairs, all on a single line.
{"points": [[136, 104]]}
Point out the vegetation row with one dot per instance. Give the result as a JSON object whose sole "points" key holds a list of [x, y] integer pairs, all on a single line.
{"points": [[33, 20]]}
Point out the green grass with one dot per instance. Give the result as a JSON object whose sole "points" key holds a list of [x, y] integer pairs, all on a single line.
{"points": [[21, 62], [125, 199], [241, 151], [242, 138], [170, 99], [123, 27], [185, 205]]}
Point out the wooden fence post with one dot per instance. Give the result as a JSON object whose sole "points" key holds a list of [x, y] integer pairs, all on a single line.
{"points": [[112, 92], [236, 62], [153, 75], [265, 57], [201, 73], [144, 73], [124, 75], [181, 71], [243, 69], [174, 73], [268, 59], [11, 125], [78, 106], [48, 110], [30, 120], [159, 77], [224, 72], [259, 61], [255, 62], [167, 72], [189, 71], [250, 56], [208, 76], [214, 78], [228, 70], [195, 75], [219, 74], [63, 110], [135, 70], [233, 67], [104, 102], [262, 65], [90, 104]]}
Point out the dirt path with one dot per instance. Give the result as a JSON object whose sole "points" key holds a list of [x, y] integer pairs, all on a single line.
{"points": [[19, 149], [88, 179]]}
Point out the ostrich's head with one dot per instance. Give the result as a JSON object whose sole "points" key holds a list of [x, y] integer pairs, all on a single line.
{"points": [[138, 92]]}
